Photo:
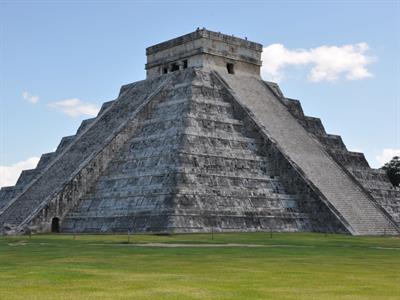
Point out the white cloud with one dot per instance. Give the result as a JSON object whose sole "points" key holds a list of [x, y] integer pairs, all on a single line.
{"points": [[386, 155], [75, 107], [30, 98], [10, 174], [328, 63]]}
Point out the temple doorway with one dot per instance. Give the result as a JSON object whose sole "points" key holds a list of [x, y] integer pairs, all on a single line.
{"points": [[55, 225]]}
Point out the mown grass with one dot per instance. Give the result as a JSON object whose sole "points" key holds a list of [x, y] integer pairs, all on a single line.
{"points": [[288, 266]]}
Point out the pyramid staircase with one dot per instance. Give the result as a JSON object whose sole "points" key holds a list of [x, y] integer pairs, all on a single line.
{"points": [[195, 151], [346, 197], [374, 181], [60, 178], [191, 167]]}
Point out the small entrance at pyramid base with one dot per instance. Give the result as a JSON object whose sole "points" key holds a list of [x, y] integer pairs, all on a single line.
{"points": [[55, 225]]}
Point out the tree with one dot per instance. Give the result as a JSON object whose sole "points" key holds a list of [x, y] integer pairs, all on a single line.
{"points": [[392, 169]]}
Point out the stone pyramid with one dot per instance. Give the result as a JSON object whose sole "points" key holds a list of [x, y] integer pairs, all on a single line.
{"points": [[202, 144]]}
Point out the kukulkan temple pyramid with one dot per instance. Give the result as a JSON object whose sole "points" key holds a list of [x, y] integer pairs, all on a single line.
{"points": [[203, 143]]}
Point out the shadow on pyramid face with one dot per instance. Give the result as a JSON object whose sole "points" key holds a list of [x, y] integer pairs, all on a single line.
{"points": [[202, 145]]}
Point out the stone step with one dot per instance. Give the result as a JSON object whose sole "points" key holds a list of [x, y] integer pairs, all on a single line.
{"points": [[191, 161], [86, 123], [27, 176], [65, 142], [213, 107], [7, 194], [200, 127], [189, 171], [193, 189], [246, 156], [222, 152], [45, 159], [73, 153], [167, 121], [316, 164], [178, 102], [175, 132]]}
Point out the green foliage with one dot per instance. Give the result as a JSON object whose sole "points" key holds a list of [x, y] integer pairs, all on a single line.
{"points": [[392, 169], [286, 266]]}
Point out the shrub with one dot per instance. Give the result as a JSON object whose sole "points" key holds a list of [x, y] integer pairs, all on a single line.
{"points": [[392, 169]]}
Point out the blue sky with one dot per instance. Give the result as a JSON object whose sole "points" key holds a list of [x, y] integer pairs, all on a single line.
{"points": [[60, 60]]}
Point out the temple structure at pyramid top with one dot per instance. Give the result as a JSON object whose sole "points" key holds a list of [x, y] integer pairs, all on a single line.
{"points": [[202, 144], [205, 49]]}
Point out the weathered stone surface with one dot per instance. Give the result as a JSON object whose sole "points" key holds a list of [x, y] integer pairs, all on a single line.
{"points": [[194, 163], [7, 193], [198, 149], [374, 181], [75, 167], [338, 189], [204, 49]]}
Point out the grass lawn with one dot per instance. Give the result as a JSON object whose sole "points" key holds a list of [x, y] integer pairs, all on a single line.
{"points": [[286, 266]]}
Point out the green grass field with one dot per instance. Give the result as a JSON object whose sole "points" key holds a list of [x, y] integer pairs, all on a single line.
{"points": [[286, 266]]}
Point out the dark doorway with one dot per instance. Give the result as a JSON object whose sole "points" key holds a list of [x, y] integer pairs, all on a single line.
{"points": [[55, 225], [230, 68], [185, 64], [174, 67]]}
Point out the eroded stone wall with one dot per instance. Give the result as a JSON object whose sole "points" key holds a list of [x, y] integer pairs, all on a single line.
{"points": [[373, 180], [195, 164]]}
